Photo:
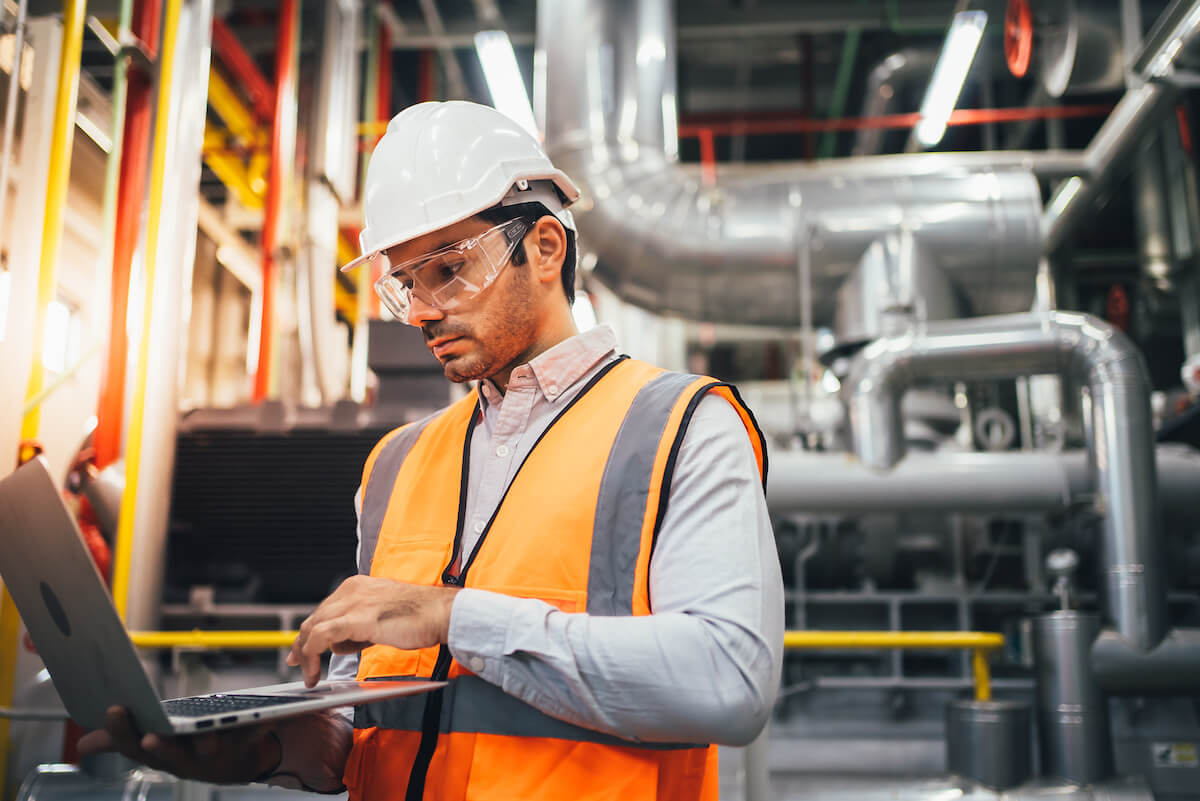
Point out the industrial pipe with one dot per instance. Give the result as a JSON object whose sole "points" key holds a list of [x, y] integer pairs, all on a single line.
{"points": [[980, 644], [213, 639], [123, 556], [283, 145], [1090, 350], [1126, 128], [729, 253], [1172, 668], [131, 193], [984, 483], [888, 77], [10, 107]]}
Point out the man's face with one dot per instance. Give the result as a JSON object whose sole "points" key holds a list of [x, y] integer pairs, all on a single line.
{"points": [[492, 331]]}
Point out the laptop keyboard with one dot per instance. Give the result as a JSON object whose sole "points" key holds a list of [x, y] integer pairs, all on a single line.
{"points": [[216, 704]]}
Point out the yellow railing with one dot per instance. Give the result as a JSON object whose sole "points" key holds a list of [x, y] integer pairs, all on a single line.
{"points": [[980, 643], [212, 639]]}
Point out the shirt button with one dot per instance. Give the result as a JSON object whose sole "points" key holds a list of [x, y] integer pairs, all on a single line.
{"points": [[502, 450], [552, 390], [475, 663], [478, 526]]}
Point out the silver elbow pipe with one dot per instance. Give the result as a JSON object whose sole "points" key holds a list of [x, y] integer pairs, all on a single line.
{"points": [[1121, 436], [662, 237]]}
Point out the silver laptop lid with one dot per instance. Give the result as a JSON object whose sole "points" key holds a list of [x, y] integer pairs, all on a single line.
{"points": [[66, 606]]}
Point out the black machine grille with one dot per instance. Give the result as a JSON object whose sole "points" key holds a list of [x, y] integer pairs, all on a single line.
{"points": [[264, 516]]}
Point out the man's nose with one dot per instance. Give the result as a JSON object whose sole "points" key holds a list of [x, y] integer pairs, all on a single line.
{"points": [[420, 312]]}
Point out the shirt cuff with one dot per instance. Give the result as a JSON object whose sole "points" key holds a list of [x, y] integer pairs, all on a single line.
{"points": [[478, 637]]}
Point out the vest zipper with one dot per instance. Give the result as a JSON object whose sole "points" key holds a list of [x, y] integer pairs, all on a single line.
{"points": [[432, 718]]}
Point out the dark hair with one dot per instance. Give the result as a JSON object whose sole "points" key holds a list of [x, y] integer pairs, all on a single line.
{"points": [[535, 211]]}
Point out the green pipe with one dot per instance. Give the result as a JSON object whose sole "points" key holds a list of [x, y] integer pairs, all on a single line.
{"points": [[841, 90]]}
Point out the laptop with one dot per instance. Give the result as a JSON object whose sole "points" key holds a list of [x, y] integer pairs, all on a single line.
{"points": [[83, 643]]}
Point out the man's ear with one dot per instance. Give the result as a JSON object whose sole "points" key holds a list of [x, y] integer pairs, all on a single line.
{"points": [[546, 247]]}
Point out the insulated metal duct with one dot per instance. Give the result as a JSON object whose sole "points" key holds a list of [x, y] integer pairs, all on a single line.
{"points": [[1149, 97], [661, 238], [890, 76], [1121, 434], [808, 482]]}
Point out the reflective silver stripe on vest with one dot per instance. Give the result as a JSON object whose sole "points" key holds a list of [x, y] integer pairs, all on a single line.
{"points": [[621, 507], [378, 492], [473, 705]]}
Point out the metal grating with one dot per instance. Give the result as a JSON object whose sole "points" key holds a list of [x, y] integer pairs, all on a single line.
{"points": [[264, 516]]}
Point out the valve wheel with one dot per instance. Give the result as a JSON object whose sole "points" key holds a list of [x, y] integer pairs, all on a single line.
{"points": [[1018, 37]]}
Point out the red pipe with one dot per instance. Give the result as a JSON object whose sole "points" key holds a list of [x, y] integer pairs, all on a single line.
{"points": [[131, 192], [1185, 130], [383, 82], [383, 113], [284, 115], [425, 76], [708, 157], [691, 125], [241, 65]]}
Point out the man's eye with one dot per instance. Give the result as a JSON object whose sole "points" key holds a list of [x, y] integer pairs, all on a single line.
{"points": [[449, 269], [407, 283]]}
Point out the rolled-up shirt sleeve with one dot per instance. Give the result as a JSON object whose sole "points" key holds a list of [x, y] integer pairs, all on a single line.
{"points": [[704, 667]]}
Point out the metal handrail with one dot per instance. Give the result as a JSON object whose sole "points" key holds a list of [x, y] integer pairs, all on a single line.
{"points": [[980, 643], [213, 639]]}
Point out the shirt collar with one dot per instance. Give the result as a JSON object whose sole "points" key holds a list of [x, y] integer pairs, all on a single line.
{"points": [[562, 366]]}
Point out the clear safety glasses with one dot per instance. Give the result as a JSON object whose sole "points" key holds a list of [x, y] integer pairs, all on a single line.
{"points": [[449, 276]]}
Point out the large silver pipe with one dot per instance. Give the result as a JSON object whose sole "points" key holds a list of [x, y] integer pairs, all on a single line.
{"points": [[1171, 668], [985, 483], [1083, 347], [661, 238], [887, 78], [1126, 127]]}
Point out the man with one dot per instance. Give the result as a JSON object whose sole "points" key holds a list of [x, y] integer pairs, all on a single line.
{"points": [[580, 546]]}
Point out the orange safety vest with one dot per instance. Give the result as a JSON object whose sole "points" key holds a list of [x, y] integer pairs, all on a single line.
{"points": [[575, 528]]}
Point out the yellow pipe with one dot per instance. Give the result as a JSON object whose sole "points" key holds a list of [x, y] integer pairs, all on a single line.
{"points": [[893, 639], [346, 252], [344, 301], [983, 677], [212, 639], [979, 642], [373, 128], [56, 194], [57, 181], [133, 450], [232, 172], [230, 108]]}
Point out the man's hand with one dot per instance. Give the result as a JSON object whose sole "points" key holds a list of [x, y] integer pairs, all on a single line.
{"points": [[231, 756], [366, 610]]}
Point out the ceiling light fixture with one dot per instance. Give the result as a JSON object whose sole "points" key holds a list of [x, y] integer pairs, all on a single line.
{"points": [[958, 52]]}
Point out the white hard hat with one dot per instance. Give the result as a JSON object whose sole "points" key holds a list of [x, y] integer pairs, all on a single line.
{"points": [[440, 163]]}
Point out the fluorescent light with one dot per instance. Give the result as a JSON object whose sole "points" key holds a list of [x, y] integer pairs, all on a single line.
{"points": [[958, 52], [504, 80]]}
